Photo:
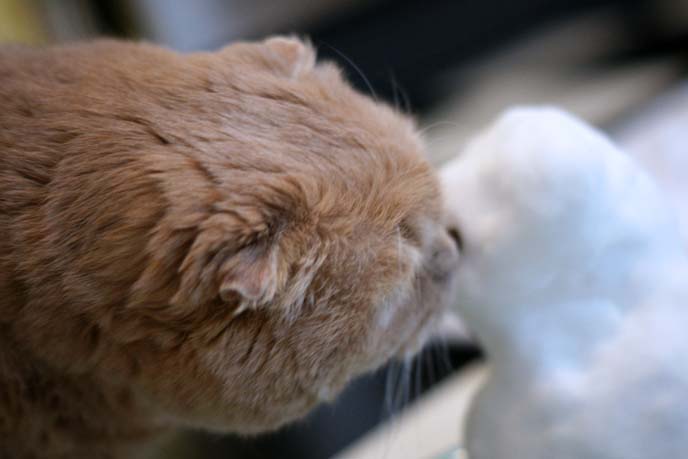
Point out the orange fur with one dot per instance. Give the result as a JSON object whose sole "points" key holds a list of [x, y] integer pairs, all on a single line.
{"points": [[217, 240]]}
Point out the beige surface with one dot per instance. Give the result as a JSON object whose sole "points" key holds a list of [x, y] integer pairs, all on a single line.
{"points": [[20, 22], [431, 426]]}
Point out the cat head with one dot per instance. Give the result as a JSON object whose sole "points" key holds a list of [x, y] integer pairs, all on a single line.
{"points": [[282, 232]]}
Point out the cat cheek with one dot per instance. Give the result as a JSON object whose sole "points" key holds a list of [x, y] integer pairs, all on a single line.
{"points": [[390, 308], [385, 316]]}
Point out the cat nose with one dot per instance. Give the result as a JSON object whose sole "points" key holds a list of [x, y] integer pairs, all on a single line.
{"points": [[444, 255], [455, 235]]}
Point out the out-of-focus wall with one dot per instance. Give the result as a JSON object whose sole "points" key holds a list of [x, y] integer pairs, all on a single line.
{"points": [[201, 24], [40, 21], [21, 22]]}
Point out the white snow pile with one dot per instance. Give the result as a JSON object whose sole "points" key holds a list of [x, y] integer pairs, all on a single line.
{"points": [[574, 279]]}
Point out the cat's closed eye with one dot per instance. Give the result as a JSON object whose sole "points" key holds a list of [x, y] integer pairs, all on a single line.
{"points": [[409, 232]]}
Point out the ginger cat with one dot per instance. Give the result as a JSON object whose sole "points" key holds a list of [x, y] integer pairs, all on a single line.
{"points": [[215, 240]]}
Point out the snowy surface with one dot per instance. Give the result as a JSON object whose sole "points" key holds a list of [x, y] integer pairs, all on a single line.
{"points": [[572, 278]]}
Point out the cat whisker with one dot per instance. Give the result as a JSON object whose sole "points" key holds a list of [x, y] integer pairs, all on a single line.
{"points": [[425, 129], [392, 387], [387, 405], [399, 249], [418, 379], [397, 90], [443, 351], [429, 360], [403, 388], [392, 384], [356, 68]]}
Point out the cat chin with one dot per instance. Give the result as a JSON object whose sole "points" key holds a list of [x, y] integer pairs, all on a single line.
{"points": [[415, 343], [452, 329]]}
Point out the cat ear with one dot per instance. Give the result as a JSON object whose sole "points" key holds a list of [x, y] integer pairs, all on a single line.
{"points": [[250, 276], [293, 56], [234, 257], [237, 253]]}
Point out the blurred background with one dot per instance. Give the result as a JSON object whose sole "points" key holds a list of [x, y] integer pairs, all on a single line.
{"points": [[455, 64]]}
